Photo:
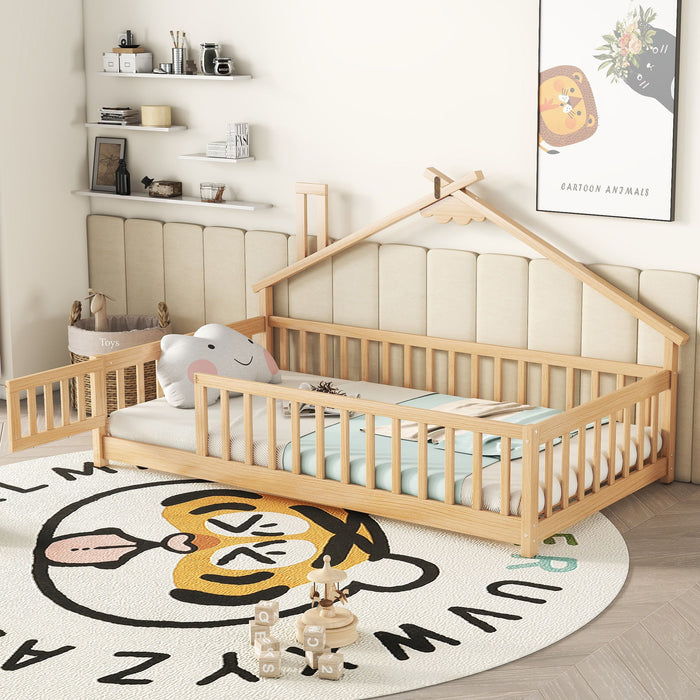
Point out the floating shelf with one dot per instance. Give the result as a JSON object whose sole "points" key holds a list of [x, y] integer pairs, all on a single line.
{"points": [[193, 201], [137, 127], [202, 156], [171, 76]]}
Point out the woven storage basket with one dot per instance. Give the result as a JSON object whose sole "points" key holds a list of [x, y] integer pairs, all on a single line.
{"points": [[125, 331]]}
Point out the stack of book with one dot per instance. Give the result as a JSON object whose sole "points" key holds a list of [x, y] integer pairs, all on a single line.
{"points": [[216, 149], [237, 140], [121, 116]]}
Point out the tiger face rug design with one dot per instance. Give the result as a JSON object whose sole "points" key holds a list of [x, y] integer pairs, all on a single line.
{"points": [[122, 582]]}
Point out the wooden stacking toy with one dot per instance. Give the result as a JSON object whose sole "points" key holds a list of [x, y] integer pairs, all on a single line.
{"points": [[339, 624]]}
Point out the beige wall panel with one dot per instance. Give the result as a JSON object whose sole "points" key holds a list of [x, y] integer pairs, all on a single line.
{"points": [[356, 301], [224, 274], [451, 309], [184, 275], [145, 275], [554, 321], [311, 297], [607, 331], [403, 302], [265, 253], [106, 260], [501, 311], [695, 467], [673, 295]]}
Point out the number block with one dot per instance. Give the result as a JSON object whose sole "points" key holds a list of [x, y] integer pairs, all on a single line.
{"points": [[314, 638], [257, 630], [330, 666], [267, 613], [312, 657], [263, 644], [270, 665]]}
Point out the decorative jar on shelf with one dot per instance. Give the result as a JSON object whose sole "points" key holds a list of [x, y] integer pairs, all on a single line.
{"points": [[208, 51]]}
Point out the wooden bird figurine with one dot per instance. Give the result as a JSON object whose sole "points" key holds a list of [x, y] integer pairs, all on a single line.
{"points": [[98, 307]]}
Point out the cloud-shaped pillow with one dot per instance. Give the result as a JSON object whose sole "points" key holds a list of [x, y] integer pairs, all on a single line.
{"points": [[213, 349]]}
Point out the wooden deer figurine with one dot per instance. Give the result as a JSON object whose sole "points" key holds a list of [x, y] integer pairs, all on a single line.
{"points": [[98, 308]]}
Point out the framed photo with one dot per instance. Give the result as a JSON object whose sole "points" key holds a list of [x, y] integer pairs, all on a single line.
{"points": [[607, 108], [108, 151]]}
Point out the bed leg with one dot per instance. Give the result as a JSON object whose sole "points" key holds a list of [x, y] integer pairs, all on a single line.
{"points": [[98, 458], [528, 549], [529, 500]]}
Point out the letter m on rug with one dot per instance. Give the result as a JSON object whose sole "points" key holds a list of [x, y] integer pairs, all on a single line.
{"points": [[418, 639]]}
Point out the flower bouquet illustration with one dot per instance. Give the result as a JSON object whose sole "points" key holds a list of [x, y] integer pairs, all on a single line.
{"points": [[641, 55]]}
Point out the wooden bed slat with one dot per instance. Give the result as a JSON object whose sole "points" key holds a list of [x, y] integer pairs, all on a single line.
{"points": [[477, 463], [522, 381], [320, 443], [548, 477], [48, 405], [364, 359], [31, 410], [370, 461], [271, 433], [284, 349], [505, 476], [626, 441], [422, 461], [344, 446], [248, 427], [296, 436], [323, 351], [597, 429], [429, 369], [565, 468], [65, 402], [449, 465], [396, 455], [640, 435], [225, 425], [612, 448]]}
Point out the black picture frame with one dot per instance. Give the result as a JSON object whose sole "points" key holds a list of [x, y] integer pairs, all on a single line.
{"points": [[108, 152]]}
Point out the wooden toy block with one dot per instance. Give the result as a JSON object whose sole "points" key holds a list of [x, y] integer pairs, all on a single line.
{"points": [[314, 638], [330, 666], [257, 630], [267, 613], [312, 657], [270, 664], [266, 643]]}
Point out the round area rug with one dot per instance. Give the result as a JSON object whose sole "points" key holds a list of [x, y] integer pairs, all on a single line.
{"points": [[122, 582]]}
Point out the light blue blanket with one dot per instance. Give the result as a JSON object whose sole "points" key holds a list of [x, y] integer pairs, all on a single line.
{"points": [[409, 452]]}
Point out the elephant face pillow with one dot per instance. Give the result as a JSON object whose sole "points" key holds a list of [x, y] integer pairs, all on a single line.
{"points": [[213, 349]]}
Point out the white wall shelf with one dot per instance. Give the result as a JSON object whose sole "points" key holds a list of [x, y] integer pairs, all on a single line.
{"points": [[193, 201], [172, 76], [202, 156], [137, 127]]}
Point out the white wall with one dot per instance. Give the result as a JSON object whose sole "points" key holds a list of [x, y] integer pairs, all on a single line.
{"points": [[364, 96], [43, 265]]}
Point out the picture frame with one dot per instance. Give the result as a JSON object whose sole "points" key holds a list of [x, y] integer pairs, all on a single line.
{"points": [[607, 108], [108, 152]]}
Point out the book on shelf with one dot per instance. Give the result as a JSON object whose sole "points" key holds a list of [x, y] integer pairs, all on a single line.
{"points": [[237, 140]]}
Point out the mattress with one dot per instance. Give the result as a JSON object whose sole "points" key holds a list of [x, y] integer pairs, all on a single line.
{"points": [[156, 423]]}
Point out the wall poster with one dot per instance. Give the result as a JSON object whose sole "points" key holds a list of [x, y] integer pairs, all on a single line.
{"points": [[607, 108]]}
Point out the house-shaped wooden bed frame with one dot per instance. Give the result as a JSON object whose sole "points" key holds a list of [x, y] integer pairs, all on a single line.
{"points": [[642, 405]]}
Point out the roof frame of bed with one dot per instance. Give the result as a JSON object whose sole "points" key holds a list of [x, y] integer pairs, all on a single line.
{"points": [[450, 200]]}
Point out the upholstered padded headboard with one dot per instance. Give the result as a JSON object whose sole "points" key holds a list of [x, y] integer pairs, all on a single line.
{"points": [[205, 273]]}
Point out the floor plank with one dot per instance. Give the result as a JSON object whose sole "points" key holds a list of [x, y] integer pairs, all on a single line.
{"points": [[609, 677], [688, 606], [569, 685], [660, 676], [678, 637]]}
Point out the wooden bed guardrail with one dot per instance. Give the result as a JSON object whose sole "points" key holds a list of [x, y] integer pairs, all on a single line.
{"points": [[47, 414], [538, 440]]}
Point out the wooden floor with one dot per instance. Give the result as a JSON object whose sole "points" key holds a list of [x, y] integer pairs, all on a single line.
{"points": [[645, 645]]}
